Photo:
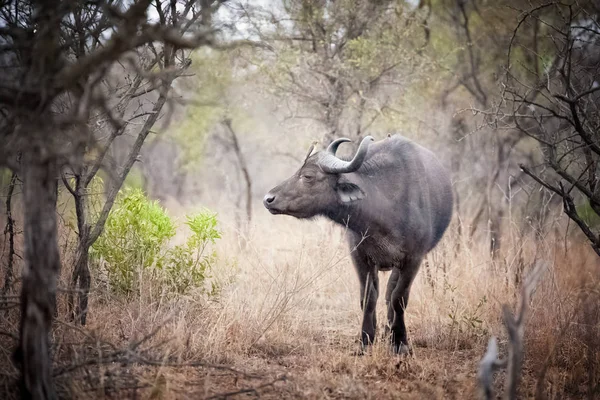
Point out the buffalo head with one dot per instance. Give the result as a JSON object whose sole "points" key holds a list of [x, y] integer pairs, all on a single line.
{"points": [[319, 186]]}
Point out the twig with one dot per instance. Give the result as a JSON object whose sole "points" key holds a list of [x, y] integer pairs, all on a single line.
{"points": [[569, 208]]}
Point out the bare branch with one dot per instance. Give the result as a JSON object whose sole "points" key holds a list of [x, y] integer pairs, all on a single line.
{"points": [[577, 122], [67, 184]]}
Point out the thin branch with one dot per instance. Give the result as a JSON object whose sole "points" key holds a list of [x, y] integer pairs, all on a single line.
{"points": [[528, 172], [577, 122], [67, 184], [569, 208], [571, 211]]}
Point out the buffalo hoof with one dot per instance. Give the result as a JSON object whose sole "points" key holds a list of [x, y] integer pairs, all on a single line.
{"points": [[358, 353], [362, 349], [402, 349], [387, 332]]}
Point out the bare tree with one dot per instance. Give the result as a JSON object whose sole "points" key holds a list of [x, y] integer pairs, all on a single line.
{"points": [[555, 101], [54, 57], [472, 85], [338, 64], [139, 98]]}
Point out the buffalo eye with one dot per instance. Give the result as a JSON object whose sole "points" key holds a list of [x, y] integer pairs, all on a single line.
{"points": [[308, 178]]}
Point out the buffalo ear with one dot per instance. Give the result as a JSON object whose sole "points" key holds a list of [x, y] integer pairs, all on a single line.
{"points": [[349, 192]]}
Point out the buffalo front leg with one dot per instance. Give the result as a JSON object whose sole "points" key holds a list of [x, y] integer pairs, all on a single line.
{"points": [[398, 291], [369, 291]]}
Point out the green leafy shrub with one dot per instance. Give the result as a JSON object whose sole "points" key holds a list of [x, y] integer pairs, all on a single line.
{"points": [[188, 264], [136, 240], [135, 236]]}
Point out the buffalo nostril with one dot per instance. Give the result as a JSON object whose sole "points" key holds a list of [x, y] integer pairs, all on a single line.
{"points": [[269, 198]]}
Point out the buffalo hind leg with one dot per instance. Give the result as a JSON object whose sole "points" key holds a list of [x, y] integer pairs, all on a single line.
{"points": [[369, 291], [391, 285], [399, 300]]}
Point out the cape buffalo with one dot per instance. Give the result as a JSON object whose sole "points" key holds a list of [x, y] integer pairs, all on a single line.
{"points": [[394, 197]]}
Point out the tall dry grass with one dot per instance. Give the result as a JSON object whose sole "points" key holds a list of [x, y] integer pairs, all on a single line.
{"points": [[289, 305]]}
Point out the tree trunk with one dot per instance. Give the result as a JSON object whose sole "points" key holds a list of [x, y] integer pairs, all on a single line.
{"points": [[81, 274], [42, 267], [10, 230], [81, 271], [88, 233], [243, 168]]}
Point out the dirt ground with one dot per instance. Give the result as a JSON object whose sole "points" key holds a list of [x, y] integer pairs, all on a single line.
{"points": [[429, 375], [331, 374], [285, 325]]}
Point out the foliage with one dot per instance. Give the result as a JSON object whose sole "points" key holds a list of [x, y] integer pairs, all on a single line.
{"points": [[188, 264], [135, 236], [136, 239]]}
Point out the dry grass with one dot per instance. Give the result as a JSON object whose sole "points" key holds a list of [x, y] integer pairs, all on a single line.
{"points": [[288, 319]]}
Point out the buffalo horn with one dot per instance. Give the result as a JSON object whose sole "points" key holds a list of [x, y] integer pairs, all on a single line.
{"points": [[332, 149], [331, 164]]}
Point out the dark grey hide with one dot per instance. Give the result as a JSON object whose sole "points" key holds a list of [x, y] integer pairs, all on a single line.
{"points": [[394, 197]]}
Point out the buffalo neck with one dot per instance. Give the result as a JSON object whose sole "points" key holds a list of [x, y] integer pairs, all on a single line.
{"points": [[350, 216]]}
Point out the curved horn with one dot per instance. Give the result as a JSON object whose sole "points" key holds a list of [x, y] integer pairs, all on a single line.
{"points": [[330, 163], [332, 149]]}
